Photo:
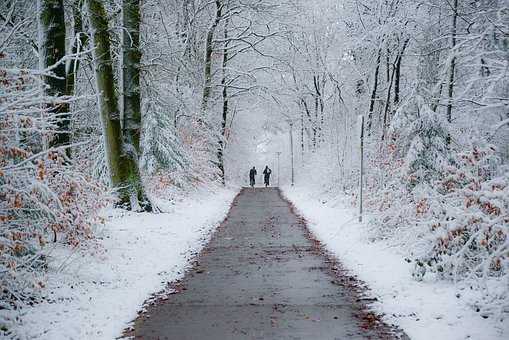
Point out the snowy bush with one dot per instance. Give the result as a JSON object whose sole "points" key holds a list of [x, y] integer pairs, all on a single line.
{"points": [[44, 196], [427, 155], [470, 239], [450, 207]]}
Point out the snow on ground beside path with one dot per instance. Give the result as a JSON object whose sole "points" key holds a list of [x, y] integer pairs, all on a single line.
{"points": [[99, 295], [424, 310]]}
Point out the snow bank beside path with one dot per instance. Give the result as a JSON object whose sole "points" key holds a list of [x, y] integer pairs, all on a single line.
{"points": [[95, 297], [424, 310]]}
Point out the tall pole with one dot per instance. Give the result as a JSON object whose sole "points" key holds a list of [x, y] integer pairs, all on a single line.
{"points": [[291, 149], [278, 154], [361, 167]]}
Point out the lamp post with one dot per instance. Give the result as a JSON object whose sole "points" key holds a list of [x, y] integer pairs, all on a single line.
{"points": [[291, 149], [361, 179], [278, 154]]}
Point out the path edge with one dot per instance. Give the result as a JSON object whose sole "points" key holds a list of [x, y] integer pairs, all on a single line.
{"points": [[175, 287], [362, 294]]}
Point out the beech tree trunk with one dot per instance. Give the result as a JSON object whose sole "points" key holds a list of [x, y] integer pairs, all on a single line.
{"points": [[123, 167], [315, 122], [132, 123], [51, 51], [395, 76], [78, 44], [373, 92], [319, 106], [398, 73], [208, 57], [452, 66], [387, 102], [131, 58], [302, 136], [222, 141]]}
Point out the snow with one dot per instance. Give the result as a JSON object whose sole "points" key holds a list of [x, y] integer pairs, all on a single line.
{"points": [[424, 310], [96, 294]]}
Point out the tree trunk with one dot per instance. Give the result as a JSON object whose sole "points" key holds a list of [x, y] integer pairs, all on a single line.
{"points": [[387, 103], [319, 85], [373, 92], [315, 122], [302, 136], [51, 51], [208, 57], [131, 108], [222, 141], [388, 66], [310, 122], [131, 58], [393, 79], [452, 66], [398, 73], [79, 42], [436, 99], [123, 168]]}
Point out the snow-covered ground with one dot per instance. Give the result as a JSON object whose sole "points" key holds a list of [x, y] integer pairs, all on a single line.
{"points": [[424, 310], [96, 296]]}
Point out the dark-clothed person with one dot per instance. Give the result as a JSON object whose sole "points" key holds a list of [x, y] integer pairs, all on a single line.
{"points": [[252, 175], [266, 175]]}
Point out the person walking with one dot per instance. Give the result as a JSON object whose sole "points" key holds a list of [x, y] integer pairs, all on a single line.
{"points": [[266, 175], [252, 176]]}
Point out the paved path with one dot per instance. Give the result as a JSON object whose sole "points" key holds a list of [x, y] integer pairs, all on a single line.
{"points": [[260, 277]]}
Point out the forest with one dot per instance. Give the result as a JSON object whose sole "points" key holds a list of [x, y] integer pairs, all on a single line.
{"points": [[398, 108]]}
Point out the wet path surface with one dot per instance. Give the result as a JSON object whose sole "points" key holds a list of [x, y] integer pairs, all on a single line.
{"points": [[260, 277]]}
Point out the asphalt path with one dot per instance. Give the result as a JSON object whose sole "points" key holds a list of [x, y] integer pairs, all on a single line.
{"points": [[262, 277]]}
